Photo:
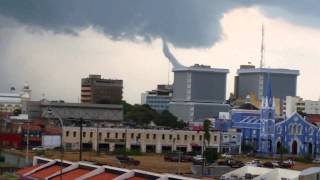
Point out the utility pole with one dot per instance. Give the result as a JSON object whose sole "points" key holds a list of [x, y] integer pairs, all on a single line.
{"points": [[97, 137], [27, 151], [80, 155]]}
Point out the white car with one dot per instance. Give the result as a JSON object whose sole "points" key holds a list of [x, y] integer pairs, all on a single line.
{"points": [[38, 148], [226, 156], [316, 161]]}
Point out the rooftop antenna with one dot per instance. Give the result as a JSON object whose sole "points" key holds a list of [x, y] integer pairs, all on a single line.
{"points": [[262, 47]]}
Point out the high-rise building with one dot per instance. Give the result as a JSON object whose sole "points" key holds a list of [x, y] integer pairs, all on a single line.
{"points": [[96, 90], [159, 98], [251, 80], [198, 91]]}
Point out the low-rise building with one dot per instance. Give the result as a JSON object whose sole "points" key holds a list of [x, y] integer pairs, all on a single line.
{"points": [[158, 99], [148, 140], [105, 115], [14, 101], [295, 103]]}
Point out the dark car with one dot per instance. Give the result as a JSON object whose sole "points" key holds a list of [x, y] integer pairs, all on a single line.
{"points": [[177, 156], [236, 164], [127, 160]]}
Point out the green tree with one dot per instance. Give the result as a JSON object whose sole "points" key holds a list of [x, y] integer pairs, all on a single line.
{"points": [[210, 155], [206, 128]]}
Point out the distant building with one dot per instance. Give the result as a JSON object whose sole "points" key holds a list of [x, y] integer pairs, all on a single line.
{"points": [[96, 90], [158, 99], [198, 93], [251, 80], [104, 114], [150, 140], [296, 104], [12, 101]]}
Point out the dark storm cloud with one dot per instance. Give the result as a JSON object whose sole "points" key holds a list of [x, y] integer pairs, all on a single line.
{"points": [[185, 23]]}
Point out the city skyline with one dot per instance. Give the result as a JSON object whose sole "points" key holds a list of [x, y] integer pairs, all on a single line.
{"points": [[41, 55]]}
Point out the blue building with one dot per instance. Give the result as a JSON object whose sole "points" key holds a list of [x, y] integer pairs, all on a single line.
{"points": [[298, 136], [261, 131]]}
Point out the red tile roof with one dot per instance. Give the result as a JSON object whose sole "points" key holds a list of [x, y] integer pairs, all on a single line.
{"points": [[22, 171], [42, 174], [72, 174], [103, 176]]}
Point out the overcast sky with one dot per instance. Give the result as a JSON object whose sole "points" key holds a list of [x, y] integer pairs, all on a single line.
{"points": [[53, 44]]}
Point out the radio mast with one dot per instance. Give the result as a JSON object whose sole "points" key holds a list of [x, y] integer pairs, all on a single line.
{"points": [[262, 47]]}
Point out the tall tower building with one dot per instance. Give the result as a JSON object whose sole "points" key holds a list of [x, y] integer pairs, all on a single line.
{"points": [[251, 80], [96, 90], [198, 91]]}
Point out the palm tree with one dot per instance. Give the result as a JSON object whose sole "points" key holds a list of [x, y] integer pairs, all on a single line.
{"points": [[206, 128]]}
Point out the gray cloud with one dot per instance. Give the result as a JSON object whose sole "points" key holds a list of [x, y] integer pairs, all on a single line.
{"points": [[185, 23]]}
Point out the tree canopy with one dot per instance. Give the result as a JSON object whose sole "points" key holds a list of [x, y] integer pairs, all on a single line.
{"points": [[143, 115]]}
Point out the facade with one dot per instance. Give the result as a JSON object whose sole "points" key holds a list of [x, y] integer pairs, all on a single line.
{"points": [[96, 90], [298, 136], [12, 101], [198, 92], [295, 103], [149, 140], [251, 80], [104, 114], [265, 135], [158, 99]]}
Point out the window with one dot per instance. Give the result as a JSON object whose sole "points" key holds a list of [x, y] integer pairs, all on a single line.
{"points": [[108, 135], [67, 133], [83, 134], [91, 134], [132, 135], [200, 138], [100, 135], [74, 133], [123, 135], [116, 135], [310, 130], [214, 138], [279, 130], [185, 137], [170, 136], [192, 137], [163, 136], [148, 136], [154, 136], [178, 137]]}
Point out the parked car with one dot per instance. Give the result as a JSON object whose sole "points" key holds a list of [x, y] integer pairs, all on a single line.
{"points": [[39, 148], [236, 164], [127, 160], [269, 164], [178, 156], [316, 161], [227, 156], [255, 162]]}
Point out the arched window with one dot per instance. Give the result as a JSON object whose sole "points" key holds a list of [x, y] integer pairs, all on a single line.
{"points": [[294, 129], [300, 129], [290, 129]]}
